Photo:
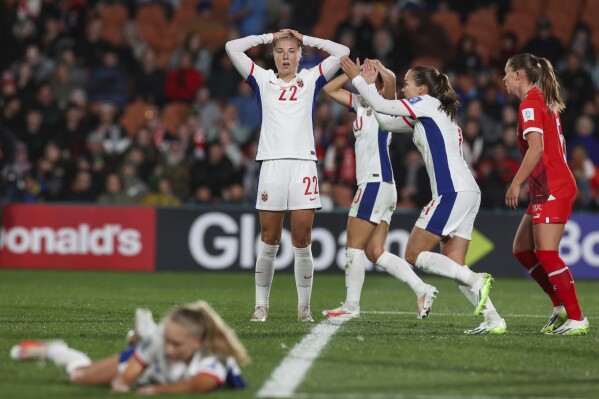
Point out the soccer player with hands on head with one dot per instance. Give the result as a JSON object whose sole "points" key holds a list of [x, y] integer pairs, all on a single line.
{"points": [[430, 108], [191, 350], [375, 199], [552, 189], [288, 178]]}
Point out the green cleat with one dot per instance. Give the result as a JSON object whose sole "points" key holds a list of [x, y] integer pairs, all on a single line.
{"points": [[486, 327], [572, 327], [481, 290], [558, 317]]}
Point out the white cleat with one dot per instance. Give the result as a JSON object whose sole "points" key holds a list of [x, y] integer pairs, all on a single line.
{"points": [[343, 310], [304, 315], [144, 323], [487, 327], [558, 317], [425, 301], [572, 327], [33, 350], [260, 314]]}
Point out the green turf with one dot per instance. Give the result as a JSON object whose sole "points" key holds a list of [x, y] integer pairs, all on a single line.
{"points": [[379, 355]]}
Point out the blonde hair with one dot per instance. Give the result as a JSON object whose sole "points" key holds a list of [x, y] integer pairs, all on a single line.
{"points": [[287, 36], [218, 339], [539, 71]]}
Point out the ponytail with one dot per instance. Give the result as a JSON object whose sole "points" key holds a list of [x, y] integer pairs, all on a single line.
{"points": [[439, 87], [218, 339], [539, 71]]}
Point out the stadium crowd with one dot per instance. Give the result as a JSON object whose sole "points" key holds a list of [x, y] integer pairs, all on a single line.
{"points": [[136, 102]]}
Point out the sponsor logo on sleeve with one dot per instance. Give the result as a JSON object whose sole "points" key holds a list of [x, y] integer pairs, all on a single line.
{"points": [[414, 100], [528, 114]]}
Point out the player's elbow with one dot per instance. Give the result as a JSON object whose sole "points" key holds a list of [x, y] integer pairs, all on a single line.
{"points": [[345, 51], [229, 47]]}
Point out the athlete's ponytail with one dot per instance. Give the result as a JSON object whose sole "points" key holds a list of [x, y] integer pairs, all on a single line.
{"points": [[539, 71], [217, 338], [439, 87]]}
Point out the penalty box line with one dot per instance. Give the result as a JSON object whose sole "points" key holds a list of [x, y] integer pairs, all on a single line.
{"points": [[291, 371]]}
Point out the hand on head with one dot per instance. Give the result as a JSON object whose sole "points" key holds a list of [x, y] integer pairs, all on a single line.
{"points": [[291, 32]]}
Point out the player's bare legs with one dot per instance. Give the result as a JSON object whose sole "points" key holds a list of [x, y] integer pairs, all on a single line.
{"points": [[100, 372], [301, 239], [271, 228]]}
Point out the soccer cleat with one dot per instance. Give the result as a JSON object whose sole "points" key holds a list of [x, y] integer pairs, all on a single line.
{"points": [[481, 291], [33, 350], [304, 315], [558, 317], [425, 301], [487, 327], [260, 314], [572, 327], [144, 323], [343, 310]]}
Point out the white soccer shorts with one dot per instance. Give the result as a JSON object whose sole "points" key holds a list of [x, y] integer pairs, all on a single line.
{"points": [[374, 202], [451, 214], [288, 184]]}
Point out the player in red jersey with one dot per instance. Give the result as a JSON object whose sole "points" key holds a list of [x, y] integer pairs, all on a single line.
{"points": [[551, 185]]}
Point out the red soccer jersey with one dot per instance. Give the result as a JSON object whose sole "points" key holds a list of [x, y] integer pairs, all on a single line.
{"points": [[551, 178]]}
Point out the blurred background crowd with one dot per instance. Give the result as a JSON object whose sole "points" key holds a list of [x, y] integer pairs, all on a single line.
{"points": [[136, 102]]}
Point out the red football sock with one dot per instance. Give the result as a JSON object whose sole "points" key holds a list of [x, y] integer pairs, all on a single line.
{"points": [[531, 263], [561, 278]]}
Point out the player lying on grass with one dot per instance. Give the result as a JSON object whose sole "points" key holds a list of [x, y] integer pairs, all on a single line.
{"points": [[191, 350]]}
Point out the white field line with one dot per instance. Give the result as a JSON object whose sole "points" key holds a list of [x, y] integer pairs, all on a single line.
{"points": [[350, 395], [291, 371], [433, 313]]}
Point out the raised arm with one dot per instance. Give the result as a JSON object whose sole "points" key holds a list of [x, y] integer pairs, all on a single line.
{"points": [[335, 90], [388, 77], [330, 65], [394, 124], [236, 51]]}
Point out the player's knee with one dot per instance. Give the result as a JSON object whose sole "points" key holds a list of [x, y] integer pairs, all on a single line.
{"points": [[77, 377], [411, 256], [374, 252], [301, 241], [271, 239]]}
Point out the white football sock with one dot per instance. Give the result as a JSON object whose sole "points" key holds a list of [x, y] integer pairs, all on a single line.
{"points": [[265, 269], [441, 265], [67, 358], [401, 270], [354, 275], [304, 275]]}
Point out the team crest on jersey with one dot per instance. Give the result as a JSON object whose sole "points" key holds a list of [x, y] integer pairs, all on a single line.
{"points": [[528, 114], [414, 100], [264, 196], [300, 82]]}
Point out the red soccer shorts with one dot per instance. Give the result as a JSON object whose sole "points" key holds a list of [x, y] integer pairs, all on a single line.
{"points": [[555, 211]]}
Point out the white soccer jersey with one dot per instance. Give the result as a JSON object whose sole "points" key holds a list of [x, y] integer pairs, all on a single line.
{"points": [[286, 109], [437, 137], [159, 370], [373, 163]]}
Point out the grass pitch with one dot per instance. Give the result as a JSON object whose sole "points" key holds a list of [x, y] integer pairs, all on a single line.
{"points": [[386, 353]]}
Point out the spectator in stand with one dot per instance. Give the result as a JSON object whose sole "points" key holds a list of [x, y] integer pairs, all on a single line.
{"points": [[173, 166], [11, 114], [71, 132], [206, 108], [426, 38], [183, 82], [224, 78], [246, 107], [584, 171], [466, 61], [545, 44], [133, 186], [150, 82], [108, 81], [473, 144], [47, 104], [384, 49], [585, 136], [114, 136], [232, 149], [201, 56], [53, 39], [360, 28], [578, 87], [113, 192], [490, 130], [26, 86], [96, 161], [81, 188], [89, 49], [162, 196], [508, 47], [582, 45], [230, 121], [62, 86], [413, 184], [76, 74], [32, 191], [41, 66], [215, 172], [509, 139], [340, 159], [51, 172], [34, 135], [494, 174], [249, 16], [492, 102]]}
